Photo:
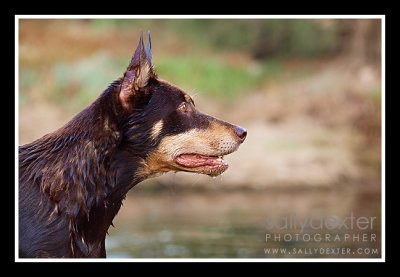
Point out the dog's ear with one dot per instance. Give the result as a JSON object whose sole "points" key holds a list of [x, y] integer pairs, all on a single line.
{"points": [[148, 49], [138, 73]]}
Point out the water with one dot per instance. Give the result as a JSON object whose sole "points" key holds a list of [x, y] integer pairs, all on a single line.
{"points": [[236, 224]]}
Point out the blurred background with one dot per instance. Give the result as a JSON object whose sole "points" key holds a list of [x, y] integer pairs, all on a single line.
{"points": [[308, 92]]}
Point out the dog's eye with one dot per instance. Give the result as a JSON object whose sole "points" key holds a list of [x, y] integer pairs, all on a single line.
{"points": [[184, 107]]}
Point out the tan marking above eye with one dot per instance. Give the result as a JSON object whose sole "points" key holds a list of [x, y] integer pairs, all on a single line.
{"points": [[188, 98]]}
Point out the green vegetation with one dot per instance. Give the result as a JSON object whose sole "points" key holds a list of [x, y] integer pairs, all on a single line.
{"points": [[73, 85], [214, 77], [261, 37], [76, 84], [221, 58]]}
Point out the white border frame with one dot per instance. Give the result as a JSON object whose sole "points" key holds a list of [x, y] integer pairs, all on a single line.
{"points": [[383, 106]]}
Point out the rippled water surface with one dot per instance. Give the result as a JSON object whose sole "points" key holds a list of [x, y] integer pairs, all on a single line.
{"points": [[247, 224]]}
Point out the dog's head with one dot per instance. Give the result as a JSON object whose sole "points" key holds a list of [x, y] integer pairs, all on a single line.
{"points": [[164, 126]]}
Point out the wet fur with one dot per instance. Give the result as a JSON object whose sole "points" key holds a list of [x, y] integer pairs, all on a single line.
{"points": [[72, 182]]}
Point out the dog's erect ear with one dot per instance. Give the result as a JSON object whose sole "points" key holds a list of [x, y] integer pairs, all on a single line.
{"points": [[148, 49], [138, 73]]}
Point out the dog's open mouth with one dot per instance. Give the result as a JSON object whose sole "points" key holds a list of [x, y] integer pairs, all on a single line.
{"points": [[210, 165]]}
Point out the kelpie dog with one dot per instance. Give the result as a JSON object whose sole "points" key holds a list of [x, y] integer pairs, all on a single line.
{"points": [[72, 181]]}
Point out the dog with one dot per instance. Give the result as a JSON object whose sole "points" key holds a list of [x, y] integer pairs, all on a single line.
{"points": [[72, 181]]}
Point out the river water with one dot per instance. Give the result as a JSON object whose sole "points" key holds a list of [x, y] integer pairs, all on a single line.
{"points": [[302, 223]]}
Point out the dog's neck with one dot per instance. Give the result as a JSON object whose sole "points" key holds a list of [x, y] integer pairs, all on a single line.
{"points": [[87, 173], [92, 229], [120, 168]]}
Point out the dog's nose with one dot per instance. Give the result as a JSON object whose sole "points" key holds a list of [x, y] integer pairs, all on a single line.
{"points": [[241, 133]]}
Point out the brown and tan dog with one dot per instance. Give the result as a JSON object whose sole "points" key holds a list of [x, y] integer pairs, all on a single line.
{"points": [[72, 181]]}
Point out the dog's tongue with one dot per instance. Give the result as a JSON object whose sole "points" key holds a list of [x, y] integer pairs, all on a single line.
{"points": [[196, 160]]}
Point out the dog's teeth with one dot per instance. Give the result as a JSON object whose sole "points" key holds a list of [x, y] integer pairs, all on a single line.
{"points": [[221, 160]]}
